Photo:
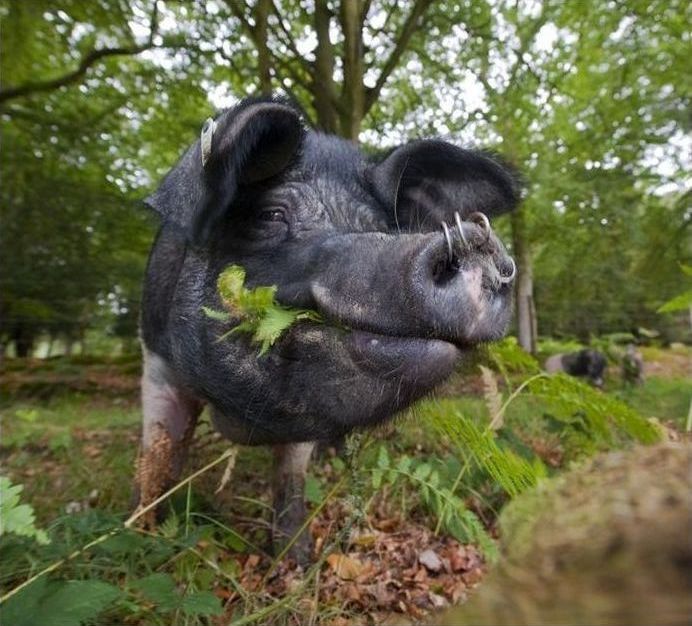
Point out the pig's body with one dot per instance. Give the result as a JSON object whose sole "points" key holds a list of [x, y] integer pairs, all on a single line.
{"points": [[359, 242], [589, 364]]}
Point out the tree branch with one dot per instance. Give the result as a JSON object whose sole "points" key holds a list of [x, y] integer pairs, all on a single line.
{"points": [[88, 60], [419, 8]]}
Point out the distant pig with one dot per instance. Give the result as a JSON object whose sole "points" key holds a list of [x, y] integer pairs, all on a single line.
{"points": [[586, 363], [396, 255], [632, 366]]}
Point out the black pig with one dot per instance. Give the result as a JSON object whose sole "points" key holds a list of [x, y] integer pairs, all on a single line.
{"points": [[396, 254], [586, 363]]}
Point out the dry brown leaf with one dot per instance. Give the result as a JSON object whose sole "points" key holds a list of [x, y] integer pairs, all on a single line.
{"points": [[430, 560], [345, 567]]}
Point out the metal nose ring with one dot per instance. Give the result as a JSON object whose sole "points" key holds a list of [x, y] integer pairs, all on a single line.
{"points": [[448, 239], [457, 219], [508, 279], [482, 220]]}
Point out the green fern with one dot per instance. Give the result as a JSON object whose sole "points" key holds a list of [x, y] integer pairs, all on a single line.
{"points": [[17, 518], [510, 471], [451, 512], [605, 419], [258, 312]]}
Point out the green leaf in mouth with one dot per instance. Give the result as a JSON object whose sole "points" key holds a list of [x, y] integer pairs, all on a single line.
{"points": [[257, 310]]}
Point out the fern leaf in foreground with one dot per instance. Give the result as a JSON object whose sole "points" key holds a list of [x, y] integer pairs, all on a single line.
{"points": [[14, 517], [256, 310], [513, 473]]}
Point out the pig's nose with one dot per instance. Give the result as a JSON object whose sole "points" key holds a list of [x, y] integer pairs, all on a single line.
{"points": [[459, 243]]}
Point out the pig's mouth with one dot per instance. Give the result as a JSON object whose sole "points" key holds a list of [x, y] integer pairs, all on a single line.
{"points": [[391, 356], [418, 361]]}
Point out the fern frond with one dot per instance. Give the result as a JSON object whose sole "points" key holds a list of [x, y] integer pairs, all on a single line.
{"points": [[606, 418], [513, 473]]}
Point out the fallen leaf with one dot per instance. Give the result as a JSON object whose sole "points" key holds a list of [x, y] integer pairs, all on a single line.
{"points": [[345, 567], [430, 560]]}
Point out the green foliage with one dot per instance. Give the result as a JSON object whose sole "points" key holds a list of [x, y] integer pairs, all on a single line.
{"points": [[606, 418], [510, 471], [14, 517], [161, 590], [133, 576], [59, 603], [681, 302], [595, 420], [507, 357], [438, 498], [259, 313]]}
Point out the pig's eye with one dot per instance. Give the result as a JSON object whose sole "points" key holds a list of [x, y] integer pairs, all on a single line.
{"points": [[272, 215]]}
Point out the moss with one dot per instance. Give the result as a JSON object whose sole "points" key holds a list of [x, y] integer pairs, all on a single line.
{"points": [[606, 543]]}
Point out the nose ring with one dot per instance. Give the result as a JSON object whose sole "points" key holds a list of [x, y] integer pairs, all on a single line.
{"points": [[460, 228], [508, 279], [482, 220], [448, 239]]}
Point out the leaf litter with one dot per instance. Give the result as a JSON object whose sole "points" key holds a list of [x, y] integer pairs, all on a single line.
{"points": [[386, 568]]}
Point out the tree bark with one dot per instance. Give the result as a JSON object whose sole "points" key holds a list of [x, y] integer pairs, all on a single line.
{"points": [[323, 91], [261, 16], [23, 341], [353, 92], [527, 327]]}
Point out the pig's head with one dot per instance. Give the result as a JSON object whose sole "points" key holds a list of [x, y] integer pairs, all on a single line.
{"points": [[395, 253]]}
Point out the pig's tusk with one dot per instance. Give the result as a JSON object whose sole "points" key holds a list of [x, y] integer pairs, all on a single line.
{"points": [[508, 279]]}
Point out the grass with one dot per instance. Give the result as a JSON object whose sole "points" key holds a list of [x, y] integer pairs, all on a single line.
{"points": [[69, 449], [667, 399]]}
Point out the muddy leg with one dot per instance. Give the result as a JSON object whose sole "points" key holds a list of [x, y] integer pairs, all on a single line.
{"points": [[170, 415], [290, 466]]}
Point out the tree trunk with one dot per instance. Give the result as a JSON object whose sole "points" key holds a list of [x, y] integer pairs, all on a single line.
{"points": [[323, 91], [263, 58], [527, 327], [353, 93], [23, 342]]}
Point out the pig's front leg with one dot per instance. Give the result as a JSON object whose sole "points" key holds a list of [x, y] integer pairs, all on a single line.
{"points": [[170, 414], [290, 467]]}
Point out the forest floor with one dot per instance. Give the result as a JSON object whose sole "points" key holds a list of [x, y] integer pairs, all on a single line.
{"points": [[70, 436]]}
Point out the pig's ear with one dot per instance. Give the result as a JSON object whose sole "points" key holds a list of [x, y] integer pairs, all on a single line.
{"points": [[425, 182], [247, 144]]}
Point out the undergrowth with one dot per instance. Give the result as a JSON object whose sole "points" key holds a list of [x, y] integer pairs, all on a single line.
{"points": [[465, 458]]}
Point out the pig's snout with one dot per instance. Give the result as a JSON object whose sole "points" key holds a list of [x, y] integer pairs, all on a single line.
{"points": [[475, 235], [411, 285]]}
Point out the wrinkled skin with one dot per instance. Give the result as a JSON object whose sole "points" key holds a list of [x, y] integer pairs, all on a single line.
{"points": [[358, 241], [586, 363]]}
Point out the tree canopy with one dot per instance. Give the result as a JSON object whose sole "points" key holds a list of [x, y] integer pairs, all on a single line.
{"points": [[590, 100]]}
